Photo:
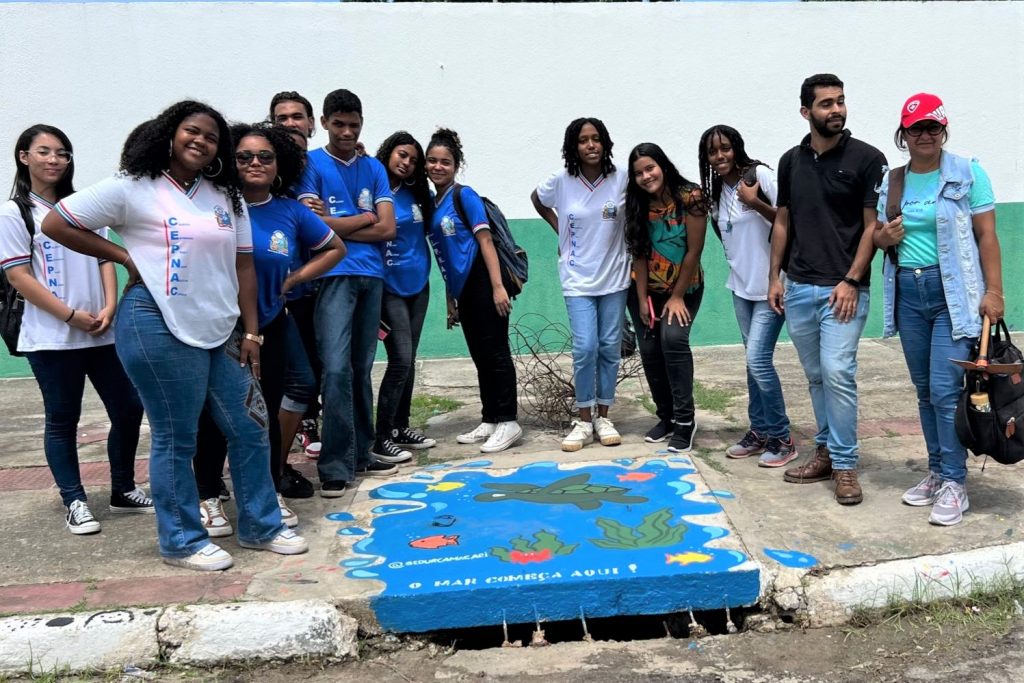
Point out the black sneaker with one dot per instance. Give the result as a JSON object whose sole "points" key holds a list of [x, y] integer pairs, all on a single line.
{"points": [[659, 432], [682, 438], [410, 439], [376, 468], [79, 520], [333, 489], [294, 485], [134, 501], [224, 494], [388, 451]]}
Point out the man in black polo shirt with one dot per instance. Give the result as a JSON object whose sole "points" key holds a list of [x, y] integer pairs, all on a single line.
{"points": [[828, 189]]}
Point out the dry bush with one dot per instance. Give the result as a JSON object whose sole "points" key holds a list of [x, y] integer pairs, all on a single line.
{"points": [[542, 352]]}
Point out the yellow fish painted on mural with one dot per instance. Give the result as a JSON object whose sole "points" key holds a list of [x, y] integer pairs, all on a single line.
{"points": [[686, 558], [446, 486]]}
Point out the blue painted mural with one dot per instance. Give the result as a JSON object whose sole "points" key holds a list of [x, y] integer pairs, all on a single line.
{"points": [[467, 545]]}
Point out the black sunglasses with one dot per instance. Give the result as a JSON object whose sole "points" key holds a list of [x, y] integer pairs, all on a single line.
{"points": [[265, 156], [933, 128]]}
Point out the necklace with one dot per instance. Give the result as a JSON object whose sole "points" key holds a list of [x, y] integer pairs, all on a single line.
{"points": [[732, 207]]}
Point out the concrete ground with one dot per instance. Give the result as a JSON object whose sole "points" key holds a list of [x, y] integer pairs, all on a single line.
{"points": [[46, 569]]}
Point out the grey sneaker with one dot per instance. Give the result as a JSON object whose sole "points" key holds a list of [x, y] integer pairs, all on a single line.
{"points": [[752, 443], [778, 453], [925, 492], [950, 504]]}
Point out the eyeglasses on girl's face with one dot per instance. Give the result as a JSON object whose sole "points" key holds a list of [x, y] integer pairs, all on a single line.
{"points": [[245, 158], [932, 128], [45, 154]]}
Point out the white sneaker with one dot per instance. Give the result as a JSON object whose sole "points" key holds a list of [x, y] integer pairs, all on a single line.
{"points": [[211, 513], [285, 543], [582, 433], [606, 432], [950, 504], [210, 559], [79, 520], [506, 434], [288, 516], [483, 432]]}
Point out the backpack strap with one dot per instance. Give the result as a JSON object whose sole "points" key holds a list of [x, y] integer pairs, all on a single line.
{"points": [[457, 203], [894, 199]]}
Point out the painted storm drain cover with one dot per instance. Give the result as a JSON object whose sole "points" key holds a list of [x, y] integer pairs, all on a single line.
{"points": [[472, 545]]}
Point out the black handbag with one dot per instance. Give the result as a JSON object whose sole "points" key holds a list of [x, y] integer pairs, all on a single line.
{"points": [[990, 413], [12, 303]]}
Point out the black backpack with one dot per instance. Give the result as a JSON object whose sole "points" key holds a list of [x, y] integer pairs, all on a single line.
{"points": [[511, 257], [12, 304], [998, 432]]}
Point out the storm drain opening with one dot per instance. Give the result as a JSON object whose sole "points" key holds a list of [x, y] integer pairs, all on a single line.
{"points": [[688, 624]]}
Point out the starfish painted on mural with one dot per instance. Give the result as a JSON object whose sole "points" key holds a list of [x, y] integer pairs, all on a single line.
{"points": [[569, 491]]}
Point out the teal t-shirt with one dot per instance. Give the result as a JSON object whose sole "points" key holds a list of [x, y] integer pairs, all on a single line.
{"points": [[919, 248]]}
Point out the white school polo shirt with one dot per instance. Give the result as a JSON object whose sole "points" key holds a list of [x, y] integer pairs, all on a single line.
{"points": [[592, 257], [183, 242], [71, 277], [745, 235]]}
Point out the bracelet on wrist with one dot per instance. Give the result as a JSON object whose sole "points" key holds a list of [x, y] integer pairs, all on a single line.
{"points": [[853, 282], [70, 316]]}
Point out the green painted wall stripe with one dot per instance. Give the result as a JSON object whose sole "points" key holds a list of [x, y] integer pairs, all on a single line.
{"points": [[715, 323]]}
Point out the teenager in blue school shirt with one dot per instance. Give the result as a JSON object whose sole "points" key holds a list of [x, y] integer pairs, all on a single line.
{"points": [[406, 259], [454, 242], [280, 229], [347, 189]]}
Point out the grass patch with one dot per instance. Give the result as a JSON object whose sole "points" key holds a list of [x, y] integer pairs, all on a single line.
{"points": [[711, 398], [711, 458], [976, 607], [426, 406]]}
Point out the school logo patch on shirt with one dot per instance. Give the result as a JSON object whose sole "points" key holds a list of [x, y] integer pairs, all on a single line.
{"points": [[279, 243], [447, 226], [417, 215], [365, 200], [223, 217], [609, 211]]}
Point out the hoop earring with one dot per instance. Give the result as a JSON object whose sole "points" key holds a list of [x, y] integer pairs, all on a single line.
{"points": [[277, 183], [170, 150], [220, 168], [410, 182]]}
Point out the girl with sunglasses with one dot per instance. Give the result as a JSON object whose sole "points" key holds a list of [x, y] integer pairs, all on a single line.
{"points": [[65, 328], [943, 273], [188, 252], [268, 163]]}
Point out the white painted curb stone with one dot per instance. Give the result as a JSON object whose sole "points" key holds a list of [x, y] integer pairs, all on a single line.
{"points": [[830, 599], [106, 639], [210, 634]]}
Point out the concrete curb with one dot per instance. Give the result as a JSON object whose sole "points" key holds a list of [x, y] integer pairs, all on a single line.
{"points": [[830, 597], [201, 635]]}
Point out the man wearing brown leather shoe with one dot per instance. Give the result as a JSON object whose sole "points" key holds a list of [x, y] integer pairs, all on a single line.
{"points": [[828, 190]]}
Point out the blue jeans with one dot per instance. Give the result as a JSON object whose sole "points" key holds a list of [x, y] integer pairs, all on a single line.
{"points": [[174, 381], [404, 315], [596, 326], [828, 352], [760, 327], [299, 380], [61, 377], [347, 319], [926, 333]]}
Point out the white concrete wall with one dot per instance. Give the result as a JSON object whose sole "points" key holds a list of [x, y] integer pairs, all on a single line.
{"points": [[510, 77]]}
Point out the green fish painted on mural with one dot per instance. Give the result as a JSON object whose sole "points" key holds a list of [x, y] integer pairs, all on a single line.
{"points": [[572, 490]]}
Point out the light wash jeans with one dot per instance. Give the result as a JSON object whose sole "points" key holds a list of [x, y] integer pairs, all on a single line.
{"points": [[174, 381], [828, 352], [347, 320], [926, 333], [596, 326], [760, 327]]}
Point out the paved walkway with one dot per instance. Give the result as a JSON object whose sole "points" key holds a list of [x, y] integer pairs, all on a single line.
{"points": [[46, 569]]}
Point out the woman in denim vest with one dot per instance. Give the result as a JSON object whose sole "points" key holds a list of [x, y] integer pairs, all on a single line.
{"points": [[943, 272]]}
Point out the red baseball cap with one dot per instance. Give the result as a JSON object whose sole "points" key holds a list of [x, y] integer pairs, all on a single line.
{"points": [[923, 107]]}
